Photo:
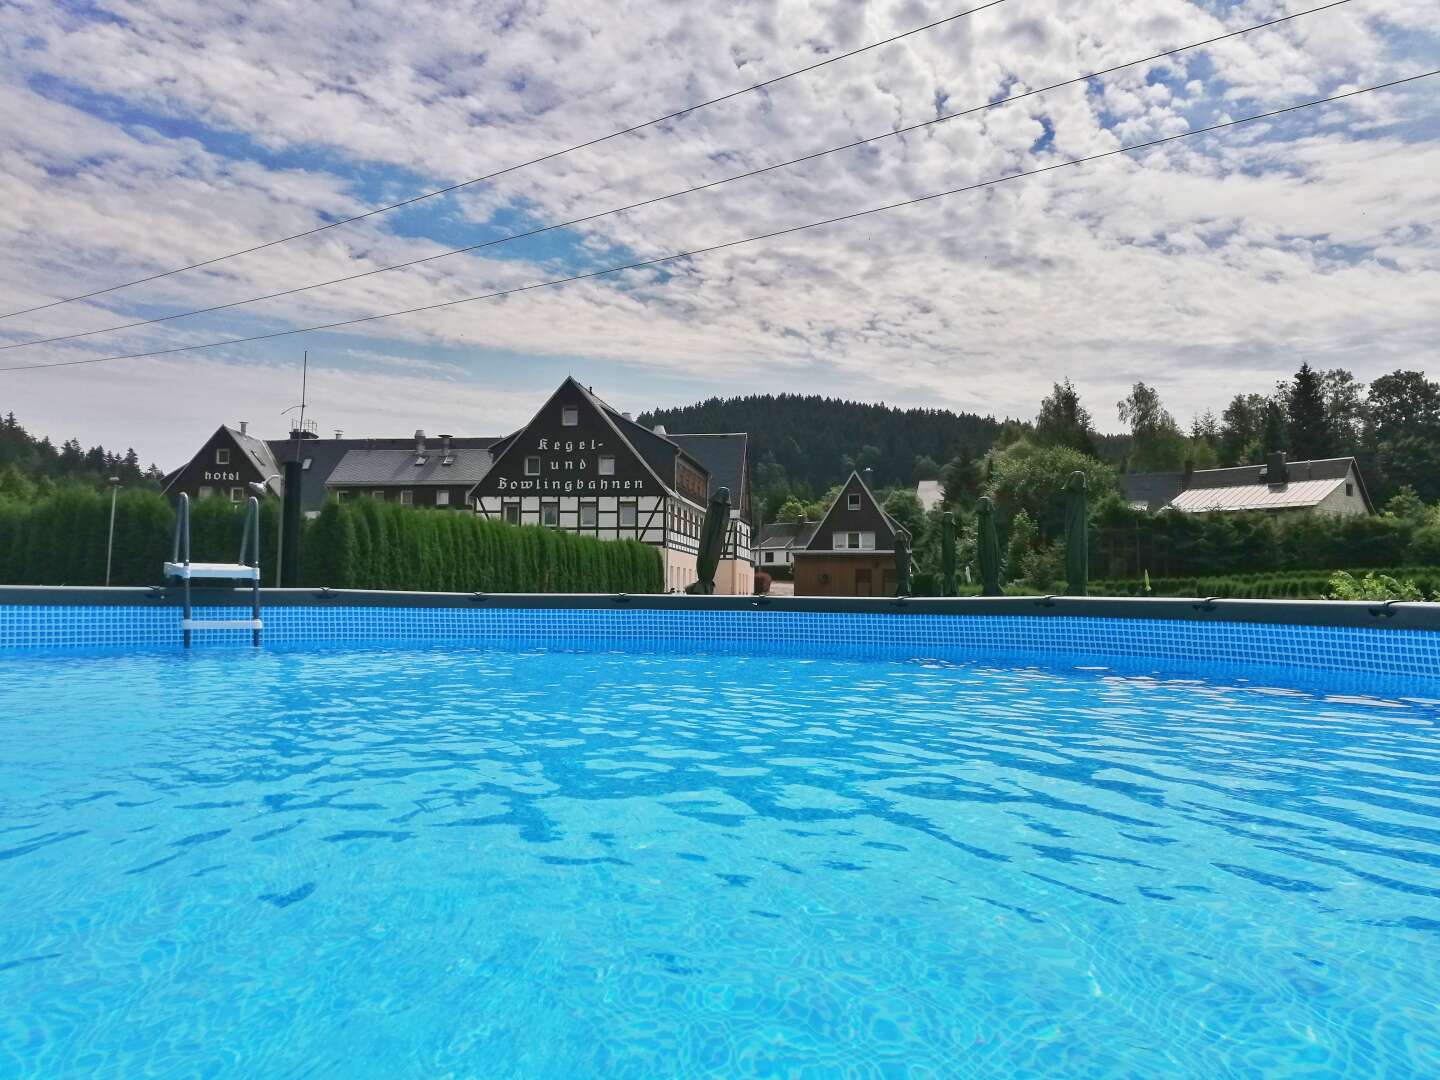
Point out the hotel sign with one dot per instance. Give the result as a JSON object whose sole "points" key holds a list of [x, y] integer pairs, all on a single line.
{"points": [[235, 476]]}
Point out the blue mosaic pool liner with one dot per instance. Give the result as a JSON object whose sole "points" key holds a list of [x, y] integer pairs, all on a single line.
{"points": [[957, 637]]}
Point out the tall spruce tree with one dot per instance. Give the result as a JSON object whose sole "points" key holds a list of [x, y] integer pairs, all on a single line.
{"points": [[1309, 427], [1273, 438]]}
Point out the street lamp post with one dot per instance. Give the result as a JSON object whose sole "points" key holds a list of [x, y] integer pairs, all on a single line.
{"points": [[261, 488], [110, 542]]}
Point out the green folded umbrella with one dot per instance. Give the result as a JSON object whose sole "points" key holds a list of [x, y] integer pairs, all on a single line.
{"points": [[902, 564], [947, 555], [987, 543], [1077, 536], [712, 543]]}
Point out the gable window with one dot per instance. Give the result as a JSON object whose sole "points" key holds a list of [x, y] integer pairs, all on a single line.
{"points": [[853, 541], [852, 501], [442, 497], [222, 455], [1349, 488], [532, 465], [570, 416], [628, 516], [237, 494], [407, 498], [512, 513], [588, 516], [607, 465], [550, 514], [206, 492]]}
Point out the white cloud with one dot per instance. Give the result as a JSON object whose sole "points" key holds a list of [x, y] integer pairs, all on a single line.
{"points": [[1206, 266]]}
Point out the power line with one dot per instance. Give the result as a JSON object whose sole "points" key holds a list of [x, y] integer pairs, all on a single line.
{"points": [[677, 194], [515, 168], [737, 243]]}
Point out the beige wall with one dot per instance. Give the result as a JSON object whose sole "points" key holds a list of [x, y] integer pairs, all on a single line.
{"points": [[1341, 504], [734, 577], [679, 569]]}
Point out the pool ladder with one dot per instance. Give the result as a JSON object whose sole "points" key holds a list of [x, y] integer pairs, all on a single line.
{"points": [[247, 569]]}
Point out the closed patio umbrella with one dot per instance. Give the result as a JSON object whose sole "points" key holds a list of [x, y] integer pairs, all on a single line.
{"points": [[947, 555], [902, 564], [712, 543], [987, 543], [1077, 536]]}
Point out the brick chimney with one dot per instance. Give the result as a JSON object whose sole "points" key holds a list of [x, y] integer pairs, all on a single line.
{"points": [[1277, 473]]}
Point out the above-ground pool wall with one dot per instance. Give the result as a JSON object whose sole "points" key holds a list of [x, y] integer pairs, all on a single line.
{"points": [[1396, 640]]}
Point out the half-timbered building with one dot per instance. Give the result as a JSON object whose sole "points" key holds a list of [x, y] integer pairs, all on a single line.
{"points": [[582, 466]]}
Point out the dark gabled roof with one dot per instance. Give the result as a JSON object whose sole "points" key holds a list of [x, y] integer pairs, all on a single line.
{"points": [[398, 468], [722, 456], [871, 514], [325, 454], [659, 463], [1151, 490], [787, 534], [255, 449]]}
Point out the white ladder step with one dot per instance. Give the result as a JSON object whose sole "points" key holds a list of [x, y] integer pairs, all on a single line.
{"points": [[221, 624], [211, 570]]}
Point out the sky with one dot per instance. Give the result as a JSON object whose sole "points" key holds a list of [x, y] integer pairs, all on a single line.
{"points": [[138, 137]]}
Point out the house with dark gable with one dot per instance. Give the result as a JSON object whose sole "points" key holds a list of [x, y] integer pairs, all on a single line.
{"points": [[230, 461], [439, 473], [583, 466], [852, 551]]}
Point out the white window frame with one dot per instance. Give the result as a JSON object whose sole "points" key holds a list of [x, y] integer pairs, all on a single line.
{"points": [[206, 492], [237, 494], [589, 516], [550, 515], [378, 495], [442, 497], [222, 455], [569, 416], [510, 513], [606, 465], [407, 497], [633, 512], [852, 501], [532, 465]]}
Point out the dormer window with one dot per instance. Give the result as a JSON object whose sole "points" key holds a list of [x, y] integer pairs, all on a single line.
{"points": [[222, 455], [570, 416], [852, 502]]}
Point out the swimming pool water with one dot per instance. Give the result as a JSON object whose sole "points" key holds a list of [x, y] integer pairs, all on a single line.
{"points": [[492, 864]]}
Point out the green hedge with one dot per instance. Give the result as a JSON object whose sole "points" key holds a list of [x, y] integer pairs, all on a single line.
{"points": [[1278, 585], [60, 539], [364, 544]]}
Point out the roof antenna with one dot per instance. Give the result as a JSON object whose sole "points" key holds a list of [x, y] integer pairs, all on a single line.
{"points": [[304, 385]]}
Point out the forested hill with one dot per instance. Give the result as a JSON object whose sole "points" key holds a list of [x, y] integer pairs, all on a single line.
{"points": [[817, 440]]}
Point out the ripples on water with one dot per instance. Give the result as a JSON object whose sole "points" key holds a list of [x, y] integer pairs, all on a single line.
{"points": [[461, 863]]}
